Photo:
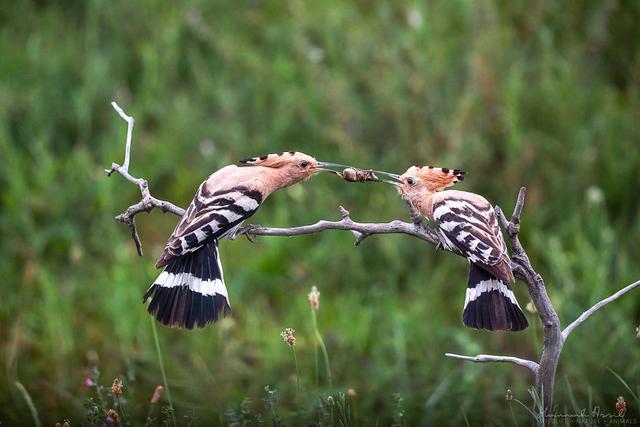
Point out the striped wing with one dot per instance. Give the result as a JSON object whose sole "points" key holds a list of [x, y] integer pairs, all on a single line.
{"points": [[471, 226], [210, 216]]}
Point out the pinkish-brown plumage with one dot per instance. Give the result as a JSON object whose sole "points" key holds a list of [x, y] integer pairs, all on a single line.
{"points": [[467, 223], [259, 179], [191, 290]]}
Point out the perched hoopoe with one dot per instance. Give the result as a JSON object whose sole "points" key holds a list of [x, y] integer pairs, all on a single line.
{"points": [[467, 222], [191, 290]]}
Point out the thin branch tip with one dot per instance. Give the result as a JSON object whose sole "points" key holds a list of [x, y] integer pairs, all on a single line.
{"points": [[584, 316], [147, 202], [502, 219], [486, 358], [121, 112], [343, 212], [517, 211]]}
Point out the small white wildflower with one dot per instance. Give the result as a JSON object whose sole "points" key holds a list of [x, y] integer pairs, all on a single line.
{"points": [[287, 336], [206, 148], [414, 18], [509, 396], [315, 54], [595, 195]]}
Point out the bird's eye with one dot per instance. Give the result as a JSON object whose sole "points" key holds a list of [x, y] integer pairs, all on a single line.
{"points": [[304, 164], [411, 181]]}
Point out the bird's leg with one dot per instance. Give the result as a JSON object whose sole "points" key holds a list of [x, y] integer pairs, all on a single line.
{"points": [[239, 231], [235, 232], [416, 217], [250, 237]]}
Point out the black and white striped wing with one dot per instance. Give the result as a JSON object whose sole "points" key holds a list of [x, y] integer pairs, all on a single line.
{"points": [[212, 217], [471, 226]]}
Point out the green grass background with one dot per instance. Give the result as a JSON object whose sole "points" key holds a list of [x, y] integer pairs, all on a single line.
{"points": [[541, 94]]}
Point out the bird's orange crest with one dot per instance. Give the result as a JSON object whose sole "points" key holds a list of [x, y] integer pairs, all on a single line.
{"points": [[435, 179], [277, 160]]}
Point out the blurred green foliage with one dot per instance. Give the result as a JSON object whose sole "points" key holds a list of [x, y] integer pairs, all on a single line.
{"points": [[543, 94]]}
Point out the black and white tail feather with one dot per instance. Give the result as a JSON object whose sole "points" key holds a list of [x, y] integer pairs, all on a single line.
{"points": [[467, 222], [191, 292], [491, 304]]}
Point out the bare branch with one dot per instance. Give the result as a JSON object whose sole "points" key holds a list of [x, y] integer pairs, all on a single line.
{"points": [[553, 340], [134, 233], [517, 210], [596, 307], [504, 222], [359, 229], [130, 121], [484, 358], [148, 202]]}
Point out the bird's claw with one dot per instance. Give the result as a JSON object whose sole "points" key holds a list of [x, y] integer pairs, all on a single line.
{"points": [[247, 232], [235, 233]]}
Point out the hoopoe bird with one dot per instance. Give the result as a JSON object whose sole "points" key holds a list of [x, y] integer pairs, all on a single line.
{"points": [[467, 222], [191, 290]]}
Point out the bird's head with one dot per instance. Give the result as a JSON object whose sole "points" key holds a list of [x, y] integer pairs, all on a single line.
{"points": [[292, 165], [419, 181]]}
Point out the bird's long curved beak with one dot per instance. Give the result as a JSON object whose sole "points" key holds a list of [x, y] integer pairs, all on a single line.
{"points": [[393, 176], [322, 167]]}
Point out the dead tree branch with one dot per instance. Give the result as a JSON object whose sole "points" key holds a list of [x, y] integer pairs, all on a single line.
{"points": [[553, 337], [483, 358], [148, 202], [361, 230], [596, 307]]}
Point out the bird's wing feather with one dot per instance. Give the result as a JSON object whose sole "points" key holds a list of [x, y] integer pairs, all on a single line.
{"points": [[471, 226], [211, 216]]}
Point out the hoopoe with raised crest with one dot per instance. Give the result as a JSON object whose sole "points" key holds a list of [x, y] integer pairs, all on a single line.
{"points": [[191, 290], [467, 222]]}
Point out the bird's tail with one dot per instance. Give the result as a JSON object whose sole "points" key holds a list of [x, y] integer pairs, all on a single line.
{"points": [[491, 304], [190, 291]]}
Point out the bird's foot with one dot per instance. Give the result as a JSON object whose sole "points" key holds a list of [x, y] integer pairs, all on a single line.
{"points": [[247, 231], [235, 232], [417, 218]]}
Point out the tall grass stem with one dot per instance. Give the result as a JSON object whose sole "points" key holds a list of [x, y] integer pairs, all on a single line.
{"points": [[320, 341], [624, 383], [29, 402], [295, 359], [123, 415], [315, 357], [164, 375], [513, 415]]}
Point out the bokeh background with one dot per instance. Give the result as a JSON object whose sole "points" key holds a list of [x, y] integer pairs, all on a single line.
{"points": [[541, 94]]}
